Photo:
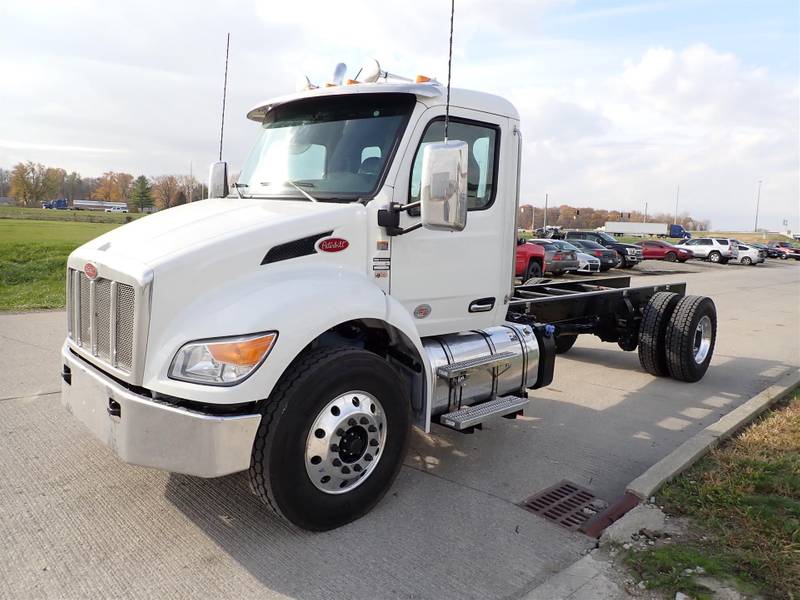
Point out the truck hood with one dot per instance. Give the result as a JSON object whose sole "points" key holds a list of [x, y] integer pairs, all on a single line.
{"points": [[183, 229]]}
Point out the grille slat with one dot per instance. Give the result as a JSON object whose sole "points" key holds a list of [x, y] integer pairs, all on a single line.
{"points": [[109, 332]]}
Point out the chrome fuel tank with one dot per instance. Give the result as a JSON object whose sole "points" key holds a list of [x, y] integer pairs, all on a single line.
{"points": [[482, 384]]}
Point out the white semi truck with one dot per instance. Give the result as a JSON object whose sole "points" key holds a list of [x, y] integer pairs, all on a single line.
{"points": [[357, 281]]}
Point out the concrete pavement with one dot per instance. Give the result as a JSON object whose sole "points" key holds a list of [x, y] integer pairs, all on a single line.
{"points": [[75, 522]]}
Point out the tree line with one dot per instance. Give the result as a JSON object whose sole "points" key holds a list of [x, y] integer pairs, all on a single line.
{"points": [[584, 217], [30, 184]]}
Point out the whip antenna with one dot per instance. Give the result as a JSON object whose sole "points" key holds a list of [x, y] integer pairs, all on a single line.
{"points": [[224, 93], [449, 68]]}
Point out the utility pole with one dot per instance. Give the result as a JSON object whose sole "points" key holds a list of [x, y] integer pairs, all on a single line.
{"points": [[758, 202], [677, 197], [545, 212], [645, 212]]}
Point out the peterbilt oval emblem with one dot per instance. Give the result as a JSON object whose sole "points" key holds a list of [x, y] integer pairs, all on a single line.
{"points": [[90, 270], [422, 311], [333, 245]]}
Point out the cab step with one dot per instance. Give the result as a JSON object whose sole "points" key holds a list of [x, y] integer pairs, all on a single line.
{"points": [[472, 416], [458, 369]]}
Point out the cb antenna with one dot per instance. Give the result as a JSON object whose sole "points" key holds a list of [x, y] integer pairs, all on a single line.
{"points": [[449, 69], [224, 94]]}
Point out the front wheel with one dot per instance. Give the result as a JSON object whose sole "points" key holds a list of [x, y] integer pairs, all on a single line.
{"points": [[332, 438], [671, 257]]}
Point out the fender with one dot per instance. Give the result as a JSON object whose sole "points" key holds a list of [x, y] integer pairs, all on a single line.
{"points": [[300, 304]]}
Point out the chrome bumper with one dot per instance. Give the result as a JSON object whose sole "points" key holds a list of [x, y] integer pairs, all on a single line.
{"points": [[151, 434]]}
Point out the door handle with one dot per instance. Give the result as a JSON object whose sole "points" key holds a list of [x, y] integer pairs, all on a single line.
{"points": [[481, 305]]}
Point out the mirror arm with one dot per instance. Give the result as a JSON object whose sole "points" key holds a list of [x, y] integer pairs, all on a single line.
{"points": [[390, 218]]}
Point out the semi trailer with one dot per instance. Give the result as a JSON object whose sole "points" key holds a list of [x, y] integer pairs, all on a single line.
{"points": [[671, 230], [355, 281]]}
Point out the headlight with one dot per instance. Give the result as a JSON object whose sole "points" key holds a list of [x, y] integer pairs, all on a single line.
{"points": [[629, 250], [222, 361]]}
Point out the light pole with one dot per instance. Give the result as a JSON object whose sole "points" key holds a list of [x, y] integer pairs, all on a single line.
{"points": [[677, 197], [545, 213], [758, 202], [645, 212]]}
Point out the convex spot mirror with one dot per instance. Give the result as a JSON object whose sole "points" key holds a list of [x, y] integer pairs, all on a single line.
{"points": [[443, 193], [218, 180]]}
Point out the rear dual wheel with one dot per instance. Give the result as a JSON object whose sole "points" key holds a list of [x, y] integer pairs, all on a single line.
{"points": [[677, 336]]}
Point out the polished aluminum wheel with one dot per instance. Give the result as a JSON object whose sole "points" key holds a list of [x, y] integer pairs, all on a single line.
{"points": [[702, 339], [345, 442]]}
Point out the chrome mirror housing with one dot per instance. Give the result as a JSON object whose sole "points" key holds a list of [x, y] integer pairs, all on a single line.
{"points": [[443, 193], [218, 180]]}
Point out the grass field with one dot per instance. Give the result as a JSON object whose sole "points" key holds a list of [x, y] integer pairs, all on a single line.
{"points": [[33, 259], [86, 216], [743, 504]]}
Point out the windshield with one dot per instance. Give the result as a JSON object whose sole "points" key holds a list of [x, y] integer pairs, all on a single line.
{"points": [[334, 147], [607, 238]]}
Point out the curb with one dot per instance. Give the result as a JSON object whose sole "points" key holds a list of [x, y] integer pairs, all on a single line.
{"points": [[685, 455]]}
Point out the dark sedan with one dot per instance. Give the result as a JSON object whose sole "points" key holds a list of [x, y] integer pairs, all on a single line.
{"points": [[608, 258]]}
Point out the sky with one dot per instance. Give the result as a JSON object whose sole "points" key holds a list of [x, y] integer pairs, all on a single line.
{"points": [[621, 102]]}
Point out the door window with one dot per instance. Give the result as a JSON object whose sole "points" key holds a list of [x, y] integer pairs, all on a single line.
{"points": [[482, 158]]}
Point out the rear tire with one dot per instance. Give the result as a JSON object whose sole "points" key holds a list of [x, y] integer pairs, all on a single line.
{"points": [[652, 332], [690, 338], [534, 270], [564, 343], [746, 261], [714, 256], [304, 399]]}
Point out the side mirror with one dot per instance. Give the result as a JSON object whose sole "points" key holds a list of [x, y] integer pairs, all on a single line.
{"points": [[218, 180], [443, 193]]}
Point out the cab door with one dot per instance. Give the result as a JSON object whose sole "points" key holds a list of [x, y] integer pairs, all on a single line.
{"points": [[457, 281]]}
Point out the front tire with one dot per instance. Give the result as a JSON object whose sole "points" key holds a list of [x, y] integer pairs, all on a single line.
{"points": [[332, 438], [671, 257]]}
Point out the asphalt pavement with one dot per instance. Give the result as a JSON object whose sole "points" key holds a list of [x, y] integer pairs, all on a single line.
{"points": [[77, 523]]}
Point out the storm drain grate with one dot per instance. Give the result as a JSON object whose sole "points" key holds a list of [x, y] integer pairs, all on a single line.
{"points": [[566, 504]]}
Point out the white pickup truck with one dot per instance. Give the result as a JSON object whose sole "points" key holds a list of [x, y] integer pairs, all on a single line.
{"points": [[357, 281]]}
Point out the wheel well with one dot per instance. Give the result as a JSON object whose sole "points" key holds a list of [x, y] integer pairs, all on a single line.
{"points": [[538, 260], [391, 344]]}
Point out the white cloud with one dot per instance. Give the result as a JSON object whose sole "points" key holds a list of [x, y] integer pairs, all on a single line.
{"points": [[137, 87]]}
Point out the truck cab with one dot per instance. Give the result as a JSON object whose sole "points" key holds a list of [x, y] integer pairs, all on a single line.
{"points": [[354, 281]]}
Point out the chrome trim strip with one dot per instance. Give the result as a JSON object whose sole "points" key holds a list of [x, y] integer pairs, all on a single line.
{"points": [[112, 339], [92, 317]]}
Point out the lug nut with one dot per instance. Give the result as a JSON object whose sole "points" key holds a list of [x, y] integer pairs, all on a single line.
{"points": [[337, 462]]}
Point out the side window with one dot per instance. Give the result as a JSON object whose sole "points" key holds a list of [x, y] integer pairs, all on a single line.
{"points": [[705, 242], [723, 242], [481, 168]]}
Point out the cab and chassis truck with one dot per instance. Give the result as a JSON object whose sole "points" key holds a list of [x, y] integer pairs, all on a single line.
{"points": [[356, 282]]}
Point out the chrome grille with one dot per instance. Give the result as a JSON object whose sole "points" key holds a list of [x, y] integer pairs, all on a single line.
{"points": [[101, 318]]}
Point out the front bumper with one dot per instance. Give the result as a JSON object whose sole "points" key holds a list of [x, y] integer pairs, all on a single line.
{"points": [[145, 432]]}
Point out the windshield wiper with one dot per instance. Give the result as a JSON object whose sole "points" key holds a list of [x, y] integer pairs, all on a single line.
{"points": [[238, 185], [301, 190]]}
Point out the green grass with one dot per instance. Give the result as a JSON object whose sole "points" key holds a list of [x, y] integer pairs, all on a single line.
{"points": [[743, 504], [84, 216], [33, 260]]}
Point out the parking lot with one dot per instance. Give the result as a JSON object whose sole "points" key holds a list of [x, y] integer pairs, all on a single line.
{"points": [[77, 523]]}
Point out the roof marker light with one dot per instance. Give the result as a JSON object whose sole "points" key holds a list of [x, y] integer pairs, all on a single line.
{"points": [[422, 79]]}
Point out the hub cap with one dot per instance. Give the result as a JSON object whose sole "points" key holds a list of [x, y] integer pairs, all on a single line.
{"points": [[345, 442], [702, 340]]}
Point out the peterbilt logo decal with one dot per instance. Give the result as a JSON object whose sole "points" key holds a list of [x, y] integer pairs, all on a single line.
{"points": [[90, 270], [333, 245]]}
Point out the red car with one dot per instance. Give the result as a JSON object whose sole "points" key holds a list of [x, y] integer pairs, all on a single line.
{"points": [[658, 250], [530, 260]]}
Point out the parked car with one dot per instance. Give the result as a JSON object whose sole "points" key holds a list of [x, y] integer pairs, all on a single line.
{"points": [[530, 260], [658, 250], [749, 255], [586, 262], [768, 250], [557, 261], [629, 254], [785, 250], [117, 209], [608, 258], [716, 250]]}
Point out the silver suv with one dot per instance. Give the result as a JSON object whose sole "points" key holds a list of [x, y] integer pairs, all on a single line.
{"points": [[718, 250]]}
